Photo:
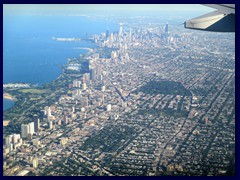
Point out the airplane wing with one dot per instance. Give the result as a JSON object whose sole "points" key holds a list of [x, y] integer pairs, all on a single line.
{"points": [[221, 20]]}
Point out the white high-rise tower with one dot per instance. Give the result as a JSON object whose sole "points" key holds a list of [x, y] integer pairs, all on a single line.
{"points": [[31, 127]]}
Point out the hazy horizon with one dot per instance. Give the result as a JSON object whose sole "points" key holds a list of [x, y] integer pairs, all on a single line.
{"points": [[71, 9]]}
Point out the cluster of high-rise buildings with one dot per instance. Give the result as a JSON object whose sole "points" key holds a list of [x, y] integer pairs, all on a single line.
{"points": [[27, 130], [12, 142], [82, 96], [128, 36]]}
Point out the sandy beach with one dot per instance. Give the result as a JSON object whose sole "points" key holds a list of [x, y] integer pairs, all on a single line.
{"points": [[8, 96], [5, 123]]}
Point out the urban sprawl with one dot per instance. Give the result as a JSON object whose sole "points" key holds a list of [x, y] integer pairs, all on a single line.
{"points": [[148, 101]]}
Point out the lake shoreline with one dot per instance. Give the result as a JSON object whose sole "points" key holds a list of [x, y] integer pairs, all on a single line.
{"points": [[9, 96]]}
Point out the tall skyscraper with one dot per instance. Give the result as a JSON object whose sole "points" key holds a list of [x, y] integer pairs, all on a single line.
{"points": [[9, 139], [103, 88], [85, 77], [99, 69], [36, 124], [24, 130], [10, 146], [31, 127], [15, 138], [93, 74], [65, 120], [49, 112], [59, 122], [166, 29], [79, 83], [84, 86], [35, 162], [121, 30], [109, 107]]}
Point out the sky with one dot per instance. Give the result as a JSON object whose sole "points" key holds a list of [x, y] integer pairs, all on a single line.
{"points": [[55, 9]]}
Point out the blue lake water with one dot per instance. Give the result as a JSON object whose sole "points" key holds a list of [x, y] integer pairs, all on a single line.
{"points": [[7, 104], [30, 54]]}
